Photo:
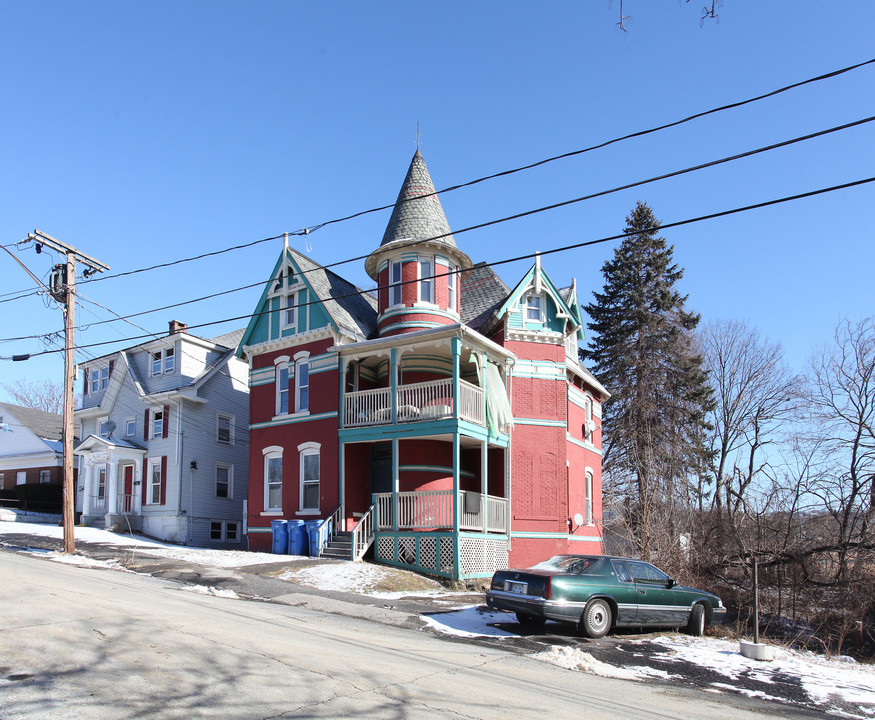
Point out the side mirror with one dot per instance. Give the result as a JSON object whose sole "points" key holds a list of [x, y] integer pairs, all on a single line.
{"points": [[671, 583]]}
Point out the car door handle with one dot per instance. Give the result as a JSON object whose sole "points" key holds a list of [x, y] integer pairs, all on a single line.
{"points": [[642, 592]]}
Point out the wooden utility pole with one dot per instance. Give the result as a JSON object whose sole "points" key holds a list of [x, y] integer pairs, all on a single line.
{"points": [[63, 289]]}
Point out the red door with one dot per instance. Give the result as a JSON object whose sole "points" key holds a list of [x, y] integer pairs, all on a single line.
{"points": [[127, 500]]}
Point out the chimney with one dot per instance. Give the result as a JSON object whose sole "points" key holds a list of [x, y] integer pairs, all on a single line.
{"points": [[177, 327]]}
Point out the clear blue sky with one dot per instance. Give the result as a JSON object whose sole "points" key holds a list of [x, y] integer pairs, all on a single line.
{"points": [[146, 132]]}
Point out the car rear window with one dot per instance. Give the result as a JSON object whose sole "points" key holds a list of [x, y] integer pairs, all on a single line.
{"points": [[576, 564]]}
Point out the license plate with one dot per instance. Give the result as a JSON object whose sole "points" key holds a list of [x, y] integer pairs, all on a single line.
{"points": [[516, 587]]}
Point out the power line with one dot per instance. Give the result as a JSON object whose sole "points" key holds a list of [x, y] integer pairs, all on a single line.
{"points": [[564, 248], [504, 173], [564, 203]]}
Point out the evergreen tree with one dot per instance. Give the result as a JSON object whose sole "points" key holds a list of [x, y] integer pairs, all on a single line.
{"points": [[644, 352]]}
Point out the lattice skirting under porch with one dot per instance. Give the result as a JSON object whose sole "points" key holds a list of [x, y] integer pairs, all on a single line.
{"points": [[432, 553]]}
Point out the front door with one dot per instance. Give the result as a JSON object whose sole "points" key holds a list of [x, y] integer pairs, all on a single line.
{"points": [[381, 468], [127, 500]]}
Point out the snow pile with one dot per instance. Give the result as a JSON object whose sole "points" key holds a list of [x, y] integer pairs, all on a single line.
{"points": [[215, 592], [470, 622], [575, 659], [821, 677], [360, 578], [8, 515]]}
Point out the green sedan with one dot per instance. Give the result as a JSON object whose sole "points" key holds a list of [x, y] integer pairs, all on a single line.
{"points": [[597, 593]]}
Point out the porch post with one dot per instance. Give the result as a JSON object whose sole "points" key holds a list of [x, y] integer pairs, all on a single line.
{"points": [[88, 484], [484, 483], [395, 482], [112, 489], [457, 385], [456, 503], [341, 480], [393, 378]]}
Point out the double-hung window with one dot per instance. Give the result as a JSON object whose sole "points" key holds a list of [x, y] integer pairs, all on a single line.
{"points": [[225, 429], [534, 308], [273, 478], [452, 280], [302, 384], [282, 388], [158, 421], [310, 474], [426, 281], [589, 515], [395, 283], [130, 427], [44, 476], [98, 379], [101, 483], [154, 480], [103, 428], [163, 361], [224, 480]]}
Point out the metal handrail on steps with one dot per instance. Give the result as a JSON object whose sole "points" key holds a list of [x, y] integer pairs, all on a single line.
{"points": [[363, 534], [328, 529]]}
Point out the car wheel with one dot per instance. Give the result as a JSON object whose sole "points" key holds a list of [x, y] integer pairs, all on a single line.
{"points": [[526, 619], [696, 624], [596, 619]]}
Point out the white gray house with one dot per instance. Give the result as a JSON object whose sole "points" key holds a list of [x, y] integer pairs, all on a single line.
{"points": [[164, 450]]}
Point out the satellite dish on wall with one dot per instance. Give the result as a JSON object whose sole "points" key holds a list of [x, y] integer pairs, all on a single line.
{"points": [[578, 519], [110, 427]]}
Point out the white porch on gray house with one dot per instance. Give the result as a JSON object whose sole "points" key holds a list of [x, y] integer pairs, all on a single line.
{"points": [[110, 482]]}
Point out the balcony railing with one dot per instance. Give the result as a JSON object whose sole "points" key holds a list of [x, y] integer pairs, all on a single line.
{"points": [[417, 402], [433, 510]]}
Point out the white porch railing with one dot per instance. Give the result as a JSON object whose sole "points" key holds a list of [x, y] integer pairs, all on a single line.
{"points": [[363, 534], [417, 402], [433, 510]]}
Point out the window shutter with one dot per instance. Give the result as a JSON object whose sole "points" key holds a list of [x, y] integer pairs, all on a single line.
{"points": [[163, 479], [144, 481], [146, 426], [85, 390], [165, 426], [111, 366]]}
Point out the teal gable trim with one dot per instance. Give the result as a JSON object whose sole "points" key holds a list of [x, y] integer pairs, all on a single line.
{"points": [[542, 423], [555, 305], [585, 445], [555, 536]]}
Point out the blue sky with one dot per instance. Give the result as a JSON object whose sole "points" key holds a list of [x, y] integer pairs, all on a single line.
{"points": [[146, 132]]}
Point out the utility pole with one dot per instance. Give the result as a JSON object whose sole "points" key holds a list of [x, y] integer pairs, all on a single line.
{"points": [[63, 289]]}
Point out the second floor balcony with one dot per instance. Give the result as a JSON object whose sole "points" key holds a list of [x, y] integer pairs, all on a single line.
{"points": [[417, 402]]}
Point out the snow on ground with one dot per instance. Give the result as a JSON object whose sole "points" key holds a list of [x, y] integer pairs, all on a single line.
{"points": [[360, 578], [821, 677]]}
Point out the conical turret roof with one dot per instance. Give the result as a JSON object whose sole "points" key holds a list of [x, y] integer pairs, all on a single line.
{"points": [[418, 214], [418, 217]]}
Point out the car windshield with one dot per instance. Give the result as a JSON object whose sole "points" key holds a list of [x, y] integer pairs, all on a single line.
{"points": [[576, 564]]}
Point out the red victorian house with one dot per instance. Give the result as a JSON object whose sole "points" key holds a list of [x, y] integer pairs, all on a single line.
{"points": [[447, 422]]}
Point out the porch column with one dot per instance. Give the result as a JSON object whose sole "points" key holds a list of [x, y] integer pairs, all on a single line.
{"points": [[112, 488], [88, 484], [341, 480], [393, 378], [457, 509], [395, 480], [484, 483], [457, 386]]}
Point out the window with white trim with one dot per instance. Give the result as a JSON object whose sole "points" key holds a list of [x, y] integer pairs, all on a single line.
{"points": [[224, 480], [99, 377], [224, 428], [224, 530], [426, 280], [291, 316], [452, 280], [302, 384], [44, 476], [282, 388], [273, 479], [130, 427], [309, 473], [21, 477], [163, 361], [101, 483], [153, 482], [2, 481], [103, 427], [395, 283], [534, 308], [589, 515], [158, 421]]}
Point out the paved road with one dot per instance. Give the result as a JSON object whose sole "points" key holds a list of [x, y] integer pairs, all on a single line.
{"points": [[95, 643]]}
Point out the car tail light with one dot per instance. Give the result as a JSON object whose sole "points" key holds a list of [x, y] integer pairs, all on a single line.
{"points": [[548, 587]]}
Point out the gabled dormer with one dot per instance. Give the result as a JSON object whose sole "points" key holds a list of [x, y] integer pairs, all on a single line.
{"points": [[303, 301], [417, 266], [537, 311]]}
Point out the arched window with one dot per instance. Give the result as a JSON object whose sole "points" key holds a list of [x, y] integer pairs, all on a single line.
{"points": [[273, 478], [302, 382], [310, 474]]}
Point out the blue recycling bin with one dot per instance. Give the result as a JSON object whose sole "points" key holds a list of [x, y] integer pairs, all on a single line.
{"points": [[313, 535], [297, 537], [280, 532]]}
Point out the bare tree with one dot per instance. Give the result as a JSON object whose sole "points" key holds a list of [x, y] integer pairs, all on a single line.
{"points": [[754, 394], [842, 414], [39, 395]]}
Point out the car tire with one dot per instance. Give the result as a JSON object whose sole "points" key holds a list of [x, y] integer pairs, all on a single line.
{"points": [[534, 620], [696, 623], [596, 619]]}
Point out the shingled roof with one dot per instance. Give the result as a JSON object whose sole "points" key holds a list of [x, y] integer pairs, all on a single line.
{"points": [[46, 425], [354, 310], [483, 292]]}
